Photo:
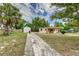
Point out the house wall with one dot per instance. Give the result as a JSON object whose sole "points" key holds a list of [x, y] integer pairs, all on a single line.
{"points": [[56, 30], [42, 30], [49, 30]]}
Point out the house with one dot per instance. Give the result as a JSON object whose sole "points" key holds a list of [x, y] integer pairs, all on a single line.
{"points": [[49, 30], [27, 29]]}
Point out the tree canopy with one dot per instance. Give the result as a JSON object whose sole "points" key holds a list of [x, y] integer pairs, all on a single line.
{"points": [[71, 12], [37, 23], [9, 15]]}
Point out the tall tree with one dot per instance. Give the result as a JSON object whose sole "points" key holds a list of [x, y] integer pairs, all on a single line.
{"points": [[9, 16], [71, 11], [37, 23], [71, 8]]}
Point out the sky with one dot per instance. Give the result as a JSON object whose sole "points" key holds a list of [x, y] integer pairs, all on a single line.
{"points": [[44, 10], [32, 10]]}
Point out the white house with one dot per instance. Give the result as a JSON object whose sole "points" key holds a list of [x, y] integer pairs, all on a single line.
{"points": [[27, 29]]}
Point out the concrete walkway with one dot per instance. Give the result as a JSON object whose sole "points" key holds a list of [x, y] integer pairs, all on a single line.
{"points": [[35, 46]]}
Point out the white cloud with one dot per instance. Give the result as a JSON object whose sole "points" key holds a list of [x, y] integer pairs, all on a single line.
{"points": [[29, 12]]}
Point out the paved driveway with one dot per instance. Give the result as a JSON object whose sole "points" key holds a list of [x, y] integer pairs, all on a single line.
{"points": [[35, 46]]}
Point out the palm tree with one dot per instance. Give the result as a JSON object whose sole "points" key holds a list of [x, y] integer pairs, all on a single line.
{"points": [[9, 16]]}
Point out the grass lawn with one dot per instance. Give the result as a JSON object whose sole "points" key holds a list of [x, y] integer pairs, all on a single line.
{"points": [[64, 44], [12, 45]]}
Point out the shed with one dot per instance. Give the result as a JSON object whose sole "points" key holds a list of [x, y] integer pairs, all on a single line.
{"points": [[27, 29]]}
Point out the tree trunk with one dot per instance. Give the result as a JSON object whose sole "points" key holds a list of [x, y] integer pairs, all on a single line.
{"points": [[6, 30]]}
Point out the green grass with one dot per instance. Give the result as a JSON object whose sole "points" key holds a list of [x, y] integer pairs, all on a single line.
{"points": [[12, 45], [64, 44]]}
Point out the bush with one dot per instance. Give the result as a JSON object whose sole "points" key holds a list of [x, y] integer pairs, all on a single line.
{"points": [[63, 31]]}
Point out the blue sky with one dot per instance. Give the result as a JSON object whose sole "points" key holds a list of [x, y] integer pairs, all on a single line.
{"points": [[31, 10], [46, 14]]}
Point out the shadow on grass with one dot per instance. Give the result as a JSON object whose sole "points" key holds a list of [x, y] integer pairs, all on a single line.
{"points": [[3, 35]]}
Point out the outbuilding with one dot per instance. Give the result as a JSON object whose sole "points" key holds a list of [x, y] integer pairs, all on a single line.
{"points": [[27, 29]]}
